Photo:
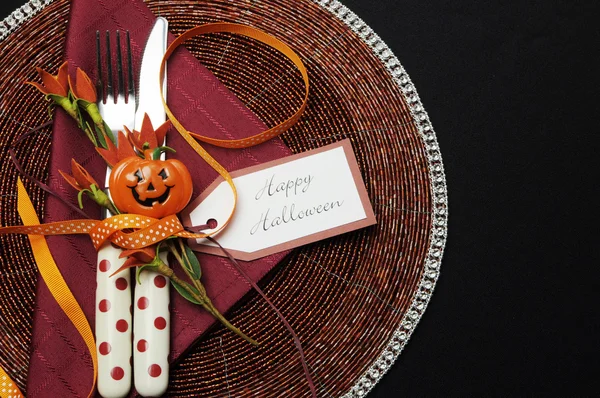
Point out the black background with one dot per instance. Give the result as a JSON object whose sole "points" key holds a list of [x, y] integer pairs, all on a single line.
{"points": [[511, 88]]}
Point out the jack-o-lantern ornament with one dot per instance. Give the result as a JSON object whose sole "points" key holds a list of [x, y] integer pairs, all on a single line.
{"points": [[150, 186]]}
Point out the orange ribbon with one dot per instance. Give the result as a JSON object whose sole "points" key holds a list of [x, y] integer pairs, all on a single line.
{"points": [[148, 230], [53, 278]]}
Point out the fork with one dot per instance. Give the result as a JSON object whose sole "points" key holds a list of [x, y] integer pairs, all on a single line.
{"points": [[113, 294]]}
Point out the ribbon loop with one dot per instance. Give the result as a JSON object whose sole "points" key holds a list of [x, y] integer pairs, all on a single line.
{"points": [[256, 34]]}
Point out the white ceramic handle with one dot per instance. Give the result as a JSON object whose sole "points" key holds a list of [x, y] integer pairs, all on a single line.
{"points": [[113, 324], [151, 331]]}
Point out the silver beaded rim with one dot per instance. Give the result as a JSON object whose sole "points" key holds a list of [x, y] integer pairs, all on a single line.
{"points": [[438, 233], [21, 15]]}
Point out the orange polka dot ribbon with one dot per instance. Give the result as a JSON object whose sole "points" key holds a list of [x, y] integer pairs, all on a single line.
{"points": [[192, 138], [147, 230], [8, 388]]}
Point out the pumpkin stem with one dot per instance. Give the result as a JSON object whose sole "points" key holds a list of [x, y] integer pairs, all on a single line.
{"points": [[158, 150]]}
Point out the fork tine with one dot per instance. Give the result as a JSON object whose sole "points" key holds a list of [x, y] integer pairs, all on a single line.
{"points": [[99, 87], [120, 87], [110, 95], [130, 82]]}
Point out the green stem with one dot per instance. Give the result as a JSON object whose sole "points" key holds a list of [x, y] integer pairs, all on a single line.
{"points": [[201, 295], [112, 208], [90, 135]]}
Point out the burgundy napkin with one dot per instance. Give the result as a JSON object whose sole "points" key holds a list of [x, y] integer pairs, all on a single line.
{"points": [[60, 365]]}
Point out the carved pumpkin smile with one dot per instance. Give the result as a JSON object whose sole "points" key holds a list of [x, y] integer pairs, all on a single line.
{"points": [[150, 201]]}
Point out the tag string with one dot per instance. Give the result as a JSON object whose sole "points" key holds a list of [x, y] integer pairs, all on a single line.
{"points": [[297, 342]]}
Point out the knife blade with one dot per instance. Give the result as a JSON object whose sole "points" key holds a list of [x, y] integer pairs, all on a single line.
{"points": [[148, 92], [151, 304]]}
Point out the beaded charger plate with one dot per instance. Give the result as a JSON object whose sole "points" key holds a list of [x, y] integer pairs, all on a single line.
{"points": [[354, 299]]}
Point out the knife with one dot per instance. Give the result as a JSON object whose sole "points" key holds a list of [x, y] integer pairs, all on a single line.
{"points": [[151, 319]]}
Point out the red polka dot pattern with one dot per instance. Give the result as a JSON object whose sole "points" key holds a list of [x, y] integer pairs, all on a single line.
{"points": [[121, 283], [154, 370], [143, 303], [142, 345], [104, 306], [104, 348], [117, 373], [104, 265], [122, 325], [160, 281], [160, 323]]}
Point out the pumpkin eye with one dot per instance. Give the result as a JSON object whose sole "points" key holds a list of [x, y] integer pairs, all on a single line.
{"points": [[163, 174], [139, 175]]}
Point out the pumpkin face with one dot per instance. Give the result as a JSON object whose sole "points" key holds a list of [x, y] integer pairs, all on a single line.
{"points": [[153, 188]]}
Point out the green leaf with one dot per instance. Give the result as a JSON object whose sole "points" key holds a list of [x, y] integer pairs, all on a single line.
{"points": [[109, 133], [194, 267], [80, 120], [57, 98], [101, 138], [184, 293]]}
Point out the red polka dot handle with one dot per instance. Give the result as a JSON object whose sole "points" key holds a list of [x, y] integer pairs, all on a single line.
{"points": [[151, 329], [113, 312]]}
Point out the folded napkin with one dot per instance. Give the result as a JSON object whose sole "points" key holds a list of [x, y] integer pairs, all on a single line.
{"points": [[60, 365]]}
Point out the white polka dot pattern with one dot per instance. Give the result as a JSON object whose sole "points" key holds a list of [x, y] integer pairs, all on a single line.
{"points": [[8, 389], [148, 231]]}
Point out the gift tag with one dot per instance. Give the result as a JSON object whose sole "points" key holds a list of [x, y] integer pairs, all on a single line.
{"points": [[285, 203]]}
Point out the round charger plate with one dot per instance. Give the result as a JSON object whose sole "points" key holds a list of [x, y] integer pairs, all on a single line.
{"points": [[354, 300]]}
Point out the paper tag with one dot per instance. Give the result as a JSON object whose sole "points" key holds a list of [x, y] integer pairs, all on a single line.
{"points": [[285, 203]]}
